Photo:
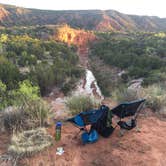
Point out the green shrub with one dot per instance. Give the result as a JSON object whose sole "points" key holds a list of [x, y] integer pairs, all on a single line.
{"points": [[27, 110], [66, 88], [28, 90], [138, 54], [155, 77], [9, 73], [70, 85], [16, 97], [77, 104], [45, 77], [2, 95]]}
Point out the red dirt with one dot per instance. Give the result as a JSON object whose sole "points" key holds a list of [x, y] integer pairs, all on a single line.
{"points": [[4, 142], [79, 38], [145, 148], [3, 13]]}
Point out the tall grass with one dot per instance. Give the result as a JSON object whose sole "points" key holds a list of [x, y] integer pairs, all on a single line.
{"points": [[32, 114], [14, 119], [37, 111], [156, 97], [77, 104], [124, 94]]}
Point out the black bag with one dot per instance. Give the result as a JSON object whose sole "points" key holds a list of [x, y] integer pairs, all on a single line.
{"points": [[127, 125], [101, 125]]}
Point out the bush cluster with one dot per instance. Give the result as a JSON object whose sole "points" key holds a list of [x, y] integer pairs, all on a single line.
{"points": [[124, 94], [139, 55], [27, 109], [156, 97], [45, 63], [77, 104]]}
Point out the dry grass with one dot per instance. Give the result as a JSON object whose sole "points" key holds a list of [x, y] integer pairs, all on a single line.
{"points": [[156, 97], [29, 142], [32, 114], [123, 95]]}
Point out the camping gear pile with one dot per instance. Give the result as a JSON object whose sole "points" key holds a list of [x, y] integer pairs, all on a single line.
{"points": [[100, 120]]}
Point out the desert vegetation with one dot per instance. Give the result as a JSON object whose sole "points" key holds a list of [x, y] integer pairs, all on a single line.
{"points": [[43, 63], [156, 97], [30, 67], [138, 55], [80, 103]]}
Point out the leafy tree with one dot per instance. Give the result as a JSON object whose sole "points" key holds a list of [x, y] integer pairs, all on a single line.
{"points": [[2, 95], [3, 38], [28, 90], [9, 73], [45, 77]]}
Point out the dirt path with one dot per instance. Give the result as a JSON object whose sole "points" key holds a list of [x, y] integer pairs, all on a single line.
{"points": [[83, 52]]}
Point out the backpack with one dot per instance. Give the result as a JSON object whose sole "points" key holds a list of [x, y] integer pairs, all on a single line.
{"points": [[103, 125]]}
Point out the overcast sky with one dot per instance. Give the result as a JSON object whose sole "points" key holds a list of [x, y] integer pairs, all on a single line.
{"points": [[139, 7]]}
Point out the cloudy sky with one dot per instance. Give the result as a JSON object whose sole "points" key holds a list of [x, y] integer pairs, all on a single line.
{"points": [[139, 7]]}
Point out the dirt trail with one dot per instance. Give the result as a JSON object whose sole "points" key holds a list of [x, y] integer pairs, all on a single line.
{"points": [[145, 148], [83, 52]]}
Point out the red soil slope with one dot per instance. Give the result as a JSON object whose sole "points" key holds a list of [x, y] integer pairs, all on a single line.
{"points": [[3, 13], [79, 38]]}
